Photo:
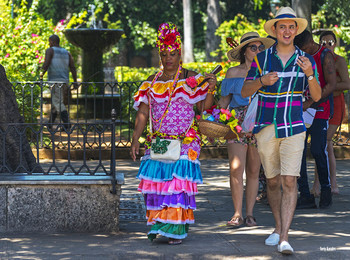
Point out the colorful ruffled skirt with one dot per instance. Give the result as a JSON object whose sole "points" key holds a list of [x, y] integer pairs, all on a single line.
{"points": [[169, 190]]}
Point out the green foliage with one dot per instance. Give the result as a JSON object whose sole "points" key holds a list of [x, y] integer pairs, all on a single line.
{"points": [[236, 28], [24, 40], [144, 35], [128, 74], [337, 12]]}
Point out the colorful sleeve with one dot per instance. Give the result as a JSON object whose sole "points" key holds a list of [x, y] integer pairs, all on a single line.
{"points": [[141, 96], [189, 91], [255, 70]]}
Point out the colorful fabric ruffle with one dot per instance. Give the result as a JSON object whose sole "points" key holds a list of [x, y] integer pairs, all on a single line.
{"points": [[157, 171], [170, 215], [175, 186], [168, 230], [169, 190], [158, 202], [169, 187], [160, 92]]}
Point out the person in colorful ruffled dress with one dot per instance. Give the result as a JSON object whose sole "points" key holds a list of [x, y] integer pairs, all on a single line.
{"points": [[242, 152], [167, 100]]}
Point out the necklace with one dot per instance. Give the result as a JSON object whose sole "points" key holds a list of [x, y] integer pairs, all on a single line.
{"points": [[169, 76], [170, 91]]}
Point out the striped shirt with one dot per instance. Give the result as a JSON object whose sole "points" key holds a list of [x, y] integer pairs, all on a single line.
{"points": [[282, 103]]}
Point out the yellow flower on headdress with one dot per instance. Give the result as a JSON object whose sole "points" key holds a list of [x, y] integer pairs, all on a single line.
{"points": [[168, 37]]}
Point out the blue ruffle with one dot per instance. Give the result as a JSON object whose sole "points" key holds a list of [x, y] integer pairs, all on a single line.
{"points": [[159, 171], [234, 86]]}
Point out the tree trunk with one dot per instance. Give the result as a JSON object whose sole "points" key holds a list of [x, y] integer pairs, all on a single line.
{"points": [[188, 32], [15, 154], [211, 40], [303, 10]]}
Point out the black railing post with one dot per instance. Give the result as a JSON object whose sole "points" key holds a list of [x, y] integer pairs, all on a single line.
{"points": [[113, 172]]}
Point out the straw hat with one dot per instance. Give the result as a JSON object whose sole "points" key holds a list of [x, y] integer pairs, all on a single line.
{"points": [[285, 13], [247, 38]]}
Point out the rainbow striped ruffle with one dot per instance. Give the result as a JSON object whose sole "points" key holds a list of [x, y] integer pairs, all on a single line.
{"points": [[159, 91], [169, 190]]}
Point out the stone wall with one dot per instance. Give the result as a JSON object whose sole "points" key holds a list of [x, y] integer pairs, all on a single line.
{"points": [[63, 206]]}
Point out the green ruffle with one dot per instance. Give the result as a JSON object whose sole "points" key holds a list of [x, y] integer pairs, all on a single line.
{"points": [[176, 231]]}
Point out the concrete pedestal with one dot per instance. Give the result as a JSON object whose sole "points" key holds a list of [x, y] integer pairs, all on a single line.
{"points": [[59, 206]]}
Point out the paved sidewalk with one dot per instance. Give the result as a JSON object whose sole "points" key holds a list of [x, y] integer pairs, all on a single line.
{"points": [[315, 233]]}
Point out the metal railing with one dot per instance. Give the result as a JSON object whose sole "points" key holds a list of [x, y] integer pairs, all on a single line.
{"points": [[91, 133], [86, 103]]}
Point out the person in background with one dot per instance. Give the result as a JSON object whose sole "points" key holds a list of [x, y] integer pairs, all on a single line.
{"points": [[242, 153], [58, 62], [318, 130], [328, 40], [281, 75], [167, 101]]}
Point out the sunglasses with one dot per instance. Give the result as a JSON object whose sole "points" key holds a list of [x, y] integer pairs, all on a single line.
{"points": [[254, 48], [330, 42]]}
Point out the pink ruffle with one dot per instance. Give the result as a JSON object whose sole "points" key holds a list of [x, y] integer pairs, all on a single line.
{"points": [[174, 186]]}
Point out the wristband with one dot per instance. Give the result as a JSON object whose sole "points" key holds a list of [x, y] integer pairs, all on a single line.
{"points": [[262, 84]]}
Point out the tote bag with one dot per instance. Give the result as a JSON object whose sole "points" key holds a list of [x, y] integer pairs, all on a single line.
{"points": [[249, 119]]}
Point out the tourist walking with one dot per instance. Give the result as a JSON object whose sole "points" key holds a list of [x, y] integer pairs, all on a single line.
{"points": [[167, 101], [242, 153], [58, 62], [328, 40], [281, 75], [318, 130]]}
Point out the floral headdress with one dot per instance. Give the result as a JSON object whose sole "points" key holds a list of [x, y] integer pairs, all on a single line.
{"points": [[168, 37]]}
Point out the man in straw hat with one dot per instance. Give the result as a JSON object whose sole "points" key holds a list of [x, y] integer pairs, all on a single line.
{"points": [[281, 75]]}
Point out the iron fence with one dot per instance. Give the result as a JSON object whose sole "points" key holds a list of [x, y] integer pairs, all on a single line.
{"points": [[91, 103], [91, 133]]}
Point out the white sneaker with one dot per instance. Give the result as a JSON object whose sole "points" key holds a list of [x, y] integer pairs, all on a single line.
{"points": [[285, 248], [272, 240]]}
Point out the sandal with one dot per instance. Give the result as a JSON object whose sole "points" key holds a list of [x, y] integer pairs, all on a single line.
{"points": [[235, 222], [250, 221], [173, 241]]}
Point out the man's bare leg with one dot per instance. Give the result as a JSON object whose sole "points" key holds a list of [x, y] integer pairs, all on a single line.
{"points": [[274, 196], [288, 204]]}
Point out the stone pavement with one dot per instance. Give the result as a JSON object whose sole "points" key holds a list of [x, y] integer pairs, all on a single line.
{"points": [[315, 233]]}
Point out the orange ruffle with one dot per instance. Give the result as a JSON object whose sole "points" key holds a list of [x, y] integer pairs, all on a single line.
{"points": [[170, 215]]}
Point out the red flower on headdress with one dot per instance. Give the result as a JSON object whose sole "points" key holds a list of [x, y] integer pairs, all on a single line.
{"points": [[169, 39]]}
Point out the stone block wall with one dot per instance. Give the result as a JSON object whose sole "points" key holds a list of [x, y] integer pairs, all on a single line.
{"points": [[59, 207]]}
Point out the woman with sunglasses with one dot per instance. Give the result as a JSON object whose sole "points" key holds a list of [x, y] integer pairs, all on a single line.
{"points": [[242, 153], [328, 40]]}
